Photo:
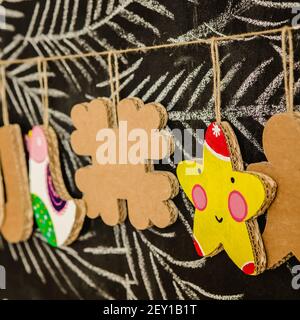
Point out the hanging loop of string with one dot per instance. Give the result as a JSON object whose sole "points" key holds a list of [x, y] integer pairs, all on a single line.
{"points": [[114, 77], [288, 68], [111, 78], [5, 114], [43, 78], [117, 77], [217, 78]]}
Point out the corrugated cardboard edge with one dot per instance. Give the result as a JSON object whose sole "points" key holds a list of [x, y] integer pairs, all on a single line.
{"points": [[281, 262], [270, 191], [16, 141], [2, 198], [28, 213], [59, 185]]}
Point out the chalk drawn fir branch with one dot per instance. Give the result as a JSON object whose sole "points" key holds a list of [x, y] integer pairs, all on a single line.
{"points": [[68, 35], [9, 14], [79, 269]]}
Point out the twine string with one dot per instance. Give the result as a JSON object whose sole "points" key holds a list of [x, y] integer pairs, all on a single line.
{"points": [[240, 36], [43, 79], [288, 68], [40, 73], [114, 78], [117, 77], [5, 115], [217, 78], [111, 78]]}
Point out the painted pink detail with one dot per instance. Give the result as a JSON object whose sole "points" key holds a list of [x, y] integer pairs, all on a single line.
{"points": [[237, 206], [249, 268], [37, 144], [198, 248], [199, 197]]}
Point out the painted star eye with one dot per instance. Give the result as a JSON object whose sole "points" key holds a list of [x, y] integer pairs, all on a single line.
{"points": [[199, 197], [237, 206], [232, 180]]}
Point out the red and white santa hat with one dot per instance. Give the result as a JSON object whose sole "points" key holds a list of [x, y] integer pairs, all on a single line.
{"points": [[215, 141]]}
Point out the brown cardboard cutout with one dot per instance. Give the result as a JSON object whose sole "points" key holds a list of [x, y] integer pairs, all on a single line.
{"points": [[281, 142], [2, 198], [113, 190], [18, 217]]}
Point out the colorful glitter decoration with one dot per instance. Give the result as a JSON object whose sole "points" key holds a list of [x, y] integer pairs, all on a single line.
{"points": [[55, 216], [43, 220]]}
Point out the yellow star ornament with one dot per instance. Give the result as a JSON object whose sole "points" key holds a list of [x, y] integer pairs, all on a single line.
{"points": [[227, 200]]}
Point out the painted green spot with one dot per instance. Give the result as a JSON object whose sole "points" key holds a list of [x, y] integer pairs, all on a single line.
{"points": [[43, 220]]}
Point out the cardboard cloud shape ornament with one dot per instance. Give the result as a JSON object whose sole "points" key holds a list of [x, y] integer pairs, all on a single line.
{"points": [[113, 190], [58, 216], [227, 201]]}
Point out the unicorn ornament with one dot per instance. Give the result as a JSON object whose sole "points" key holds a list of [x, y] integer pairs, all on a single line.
{"points": [[59, 219]]}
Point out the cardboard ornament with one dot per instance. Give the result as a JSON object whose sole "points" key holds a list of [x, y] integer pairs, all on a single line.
{"points": [[115, 190], [58, 216], [281, 143], [227, 201], [16, 208], [2, 198]]}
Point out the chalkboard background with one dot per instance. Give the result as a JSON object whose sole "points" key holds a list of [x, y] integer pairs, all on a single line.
{"points": [[120, 262]]}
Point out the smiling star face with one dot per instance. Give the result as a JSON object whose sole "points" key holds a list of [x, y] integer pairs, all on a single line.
{"points": [[226, 201]]}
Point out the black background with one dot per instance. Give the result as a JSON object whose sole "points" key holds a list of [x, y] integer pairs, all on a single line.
{"points": [[168, 263]]}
